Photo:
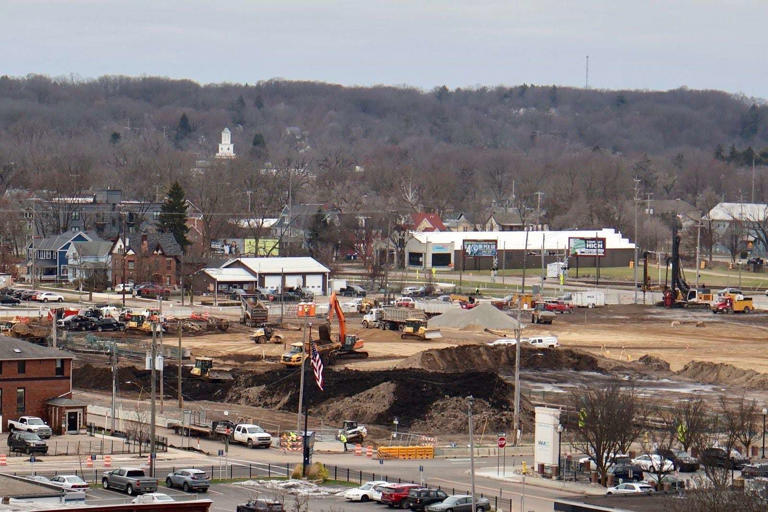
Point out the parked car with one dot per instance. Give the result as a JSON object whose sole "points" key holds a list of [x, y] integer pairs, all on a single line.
{"points": [[31, 424], [393, 495], [152, 497], [261, 505], [460, 503], [405, 302], [717, 457], [503, 341], [131, 480], [154, 291], [364, 492], [26, 442], [188, 480], [558, 306], [108, 324], [265, 294], [69, 482], [755, 470], [654, 463], [48, 297], [353, 290], [682, 460], [289, 296], [543, 341], [378, 491], [124, 288], [306, 294], [78, 323], [28, 294], [420, 498], [625, 472], [630, 488], [9, 299]]}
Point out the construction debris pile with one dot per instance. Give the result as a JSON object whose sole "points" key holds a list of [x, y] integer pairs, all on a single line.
{"points": [[195, 325], [484, 316]]}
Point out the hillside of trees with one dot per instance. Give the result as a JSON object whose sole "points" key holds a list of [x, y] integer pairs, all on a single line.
{"points": [[382, 148]]}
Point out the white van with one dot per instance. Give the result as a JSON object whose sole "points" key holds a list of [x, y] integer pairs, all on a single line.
{"points": [[543, 341]]}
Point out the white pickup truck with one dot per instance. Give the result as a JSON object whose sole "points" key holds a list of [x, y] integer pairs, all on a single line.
{"points": [[252, 436], [31, 424]]}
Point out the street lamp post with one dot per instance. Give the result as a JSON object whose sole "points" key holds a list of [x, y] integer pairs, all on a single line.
{"points": [[396, 423], [470, 402], [559, 452], [765, 412]]}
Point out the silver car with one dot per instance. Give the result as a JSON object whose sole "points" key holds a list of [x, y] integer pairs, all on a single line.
{"points": [[188, 480]]}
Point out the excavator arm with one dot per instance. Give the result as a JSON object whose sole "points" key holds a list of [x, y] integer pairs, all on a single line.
{"points": [[335, 307]]}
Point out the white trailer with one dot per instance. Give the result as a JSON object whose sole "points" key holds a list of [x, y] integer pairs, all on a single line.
{"points": [[337, 284], [590, 299]]}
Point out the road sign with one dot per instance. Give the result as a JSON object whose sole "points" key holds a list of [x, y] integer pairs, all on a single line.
{"points": [[221, 453], [502, 442]]}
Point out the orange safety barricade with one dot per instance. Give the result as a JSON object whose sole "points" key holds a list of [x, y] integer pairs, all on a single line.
{"points": [[88, 461], [369, 451], [358, 449], [3, 460], [107, 461]]}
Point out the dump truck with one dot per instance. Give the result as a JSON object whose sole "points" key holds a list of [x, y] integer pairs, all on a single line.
{"points": [[417, 328], [391, 318], [540, 314], [265, 334], [728, 304], [253, 312]]}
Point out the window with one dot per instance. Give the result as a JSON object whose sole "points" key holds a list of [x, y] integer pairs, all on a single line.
{"points": [[20, 400], [1, 367], [59, 367], [131, 264], [168, 263], [1, 401], [167, 280], [22, 367]]}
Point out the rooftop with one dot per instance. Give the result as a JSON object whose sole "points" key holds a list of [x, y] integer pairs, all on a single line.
{"points": [[278, 265], [230, 275], [14, 348], [16, 487]]}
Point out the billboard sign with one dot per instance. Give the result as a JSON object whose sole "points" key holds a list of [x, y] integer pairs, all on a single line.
{"points": [[480, 248], [586, 246], [266, 246]]}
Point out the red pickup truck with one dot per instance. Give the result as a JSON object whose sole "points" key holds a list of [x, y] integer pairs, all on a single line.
{"points": [[558, 306], [397, 495]]}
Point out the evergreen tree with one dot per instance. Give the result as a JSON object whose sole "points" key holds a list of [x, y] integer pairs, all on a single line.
{"points": [[184, 128], [173, 215]]}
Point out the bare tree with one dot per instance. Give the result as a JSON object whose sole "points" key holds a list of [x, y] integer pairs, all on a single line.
{"points": [[690, 422]]}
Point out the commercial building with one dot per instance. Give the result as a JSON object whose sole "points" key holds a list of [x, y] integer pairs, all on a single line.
{"points": [[272, 273], [483, 250], [31, 378]]}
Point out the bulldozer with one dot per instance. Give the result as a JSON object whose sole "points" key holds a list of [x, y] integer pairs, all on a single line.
{"points": [[204, 370], [417, 328]]}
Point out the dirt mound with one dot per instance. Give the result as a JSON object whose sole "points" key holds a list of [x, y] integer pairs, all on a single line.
{"points": [[487, 358], [654, 363], [368, 406], [450, 415], [484, 316], [726, 374]]}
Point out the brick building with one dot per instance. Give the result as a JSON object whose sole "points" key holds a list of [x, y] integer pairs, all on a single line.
{"points": [[30, 377], [151, 258]]}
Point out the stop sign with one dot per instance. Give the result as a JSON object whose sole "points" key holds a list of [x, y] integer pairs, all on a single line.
{"points": [[502, 441]]}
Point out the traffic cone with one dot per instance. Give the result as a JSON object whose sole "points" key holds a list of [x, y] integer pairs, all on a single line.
{"points": [[3, 460], [107, 461], [369, 451], [358, 449], [88, 462]]}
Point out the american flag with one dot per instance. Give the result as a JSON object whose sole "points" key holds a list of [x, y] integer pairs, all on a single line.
{"points": [[317, 367]]}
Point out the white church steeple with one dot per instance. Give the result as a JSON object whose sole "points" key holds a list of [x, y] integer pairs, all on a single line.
{"points": [[226, 148]]}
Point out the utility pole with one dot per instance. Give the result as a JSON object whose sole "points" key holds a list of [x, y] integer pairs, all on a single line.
{"points": [[538, 209], [517, 372], [634, 264], [153, 375], [301, 380], [162, 352], [753, 177], [525, 255], [114, 383], [471, 401], [125, 252], [698, 253], [178, 384], [181, 275], [543, 271], [34, 248]]}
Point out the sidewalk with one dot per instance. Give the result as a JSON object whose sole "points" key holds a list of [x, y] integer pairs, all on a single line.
{"points": [[537, 481]]}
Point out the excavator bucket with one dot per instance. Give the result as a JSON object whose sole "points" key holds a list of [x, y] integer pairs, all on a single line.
{"points": [[432, 334]]}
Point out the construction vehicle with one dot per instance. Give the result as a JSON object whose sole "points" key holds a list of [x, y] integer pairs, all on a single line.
{"points": [[417, 328], [392, 319], [541, 315], [729, 304], [345, 346], [265, 334], [366, 305], [204, 369], [253, 312], [679, 293], [353, 432]]}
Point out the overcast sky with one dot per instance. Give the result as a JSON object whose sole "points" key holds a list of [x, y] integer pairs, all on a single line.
{"points": [[635, 44]]}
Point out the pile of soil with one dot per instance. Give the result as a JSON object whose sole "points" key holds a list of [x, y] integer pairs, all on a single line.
{"points": [[484, 316], [450, 415], [376, 396], [654, 363], [723, 374], [465, 358]]}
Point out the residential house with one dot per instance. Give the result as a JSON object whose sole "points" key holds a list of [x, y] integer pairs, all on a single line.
{"points": [[744, 219], [90, 260], [295, 222], [151, 257], [510, 219], [426, 223], [458, 222], [47, 257], [667, 209], [31, 377]]}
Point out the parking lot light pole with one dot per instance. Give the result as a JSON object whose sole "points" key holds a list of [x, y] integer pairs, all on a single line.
{"points": [[765, 412], [559, 452], [470, 402]]}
